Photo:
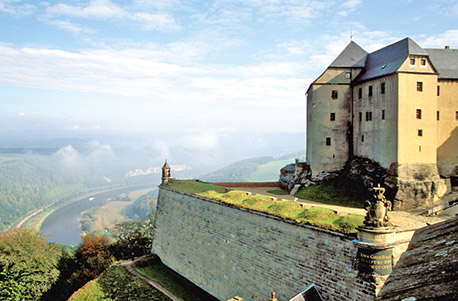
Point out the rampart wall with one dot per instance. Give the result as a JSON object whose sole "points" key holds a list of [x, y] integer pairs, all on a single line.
{"points": [[231, 251]]}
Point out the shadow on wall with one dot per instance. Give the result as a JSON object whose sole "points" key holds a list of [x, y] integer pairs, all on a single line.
{"points": [[447, 155]]}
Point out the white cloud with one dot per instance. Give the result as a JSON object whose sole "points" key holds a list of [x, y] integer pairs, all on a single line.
{"points": [[106, 9], [68, 26], [96, 9], [348, 6], [448, 38], [18, 10], [143, 72], [155, 21]]}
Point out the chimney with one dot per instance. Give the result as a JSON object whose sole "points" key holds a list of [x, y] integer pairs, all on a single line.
{"points": [[447, 47]]}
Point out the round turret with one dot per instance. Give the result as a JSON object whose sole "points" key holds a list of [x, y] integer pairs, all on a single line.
{"points": [[166, 175]]}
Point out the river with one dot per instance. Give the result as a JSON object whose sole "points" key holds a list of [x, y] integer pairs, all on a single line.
{"points": [[62, 225]]}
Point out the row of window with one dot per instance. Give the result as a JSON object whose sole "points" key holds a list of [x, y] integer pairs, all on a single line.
{"points": [[369, 116], [332, 116], [418, 114], [328, 139], [422, 61], [370, 91]]}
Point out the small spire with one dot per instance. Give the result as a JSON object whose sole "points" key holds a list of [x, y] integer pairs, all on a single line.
{"points": [[351, 35], [166, 175]]}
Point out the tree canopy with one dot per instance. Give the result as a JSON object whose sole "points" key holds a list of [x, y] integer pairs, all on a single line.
{"points": [[28, 264]]}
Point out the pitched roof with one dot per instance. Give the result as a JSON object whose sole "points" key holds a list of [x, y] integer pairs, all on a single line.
{"points": [[352, 56], [445, 61], [429, 267], [166, 165], [388, 59]]}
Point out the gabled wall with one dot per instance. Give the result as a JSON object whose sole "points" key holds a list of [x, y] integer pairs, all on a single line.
{"points": [[320, 105]]}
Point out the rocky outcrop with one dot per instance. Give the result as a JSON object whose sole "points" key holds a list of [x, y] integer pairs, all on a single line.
{"points": [[296, 176], [409, 186]]}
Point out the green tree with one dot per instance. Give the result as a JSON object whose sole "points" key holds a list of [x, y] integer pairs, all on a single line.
{"points": [[93, 255], [133, 238], [28, 264]]}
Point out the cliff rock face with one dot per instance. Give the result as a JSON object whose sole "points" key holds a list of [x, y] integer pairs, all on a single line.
{"points": [[408, 186]]}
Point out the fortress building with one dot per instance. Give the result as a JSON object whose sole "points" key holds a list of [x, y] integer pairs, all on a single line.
{"points": [[397, 106]]}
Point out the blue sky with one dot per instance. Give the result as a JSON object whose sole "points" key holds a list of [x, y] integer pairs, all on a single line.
{"points": [[189, 67]]}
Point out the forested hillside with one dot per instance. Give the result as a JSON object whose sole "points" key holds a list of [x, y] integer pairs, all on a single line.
{"points": [[28, 182]]}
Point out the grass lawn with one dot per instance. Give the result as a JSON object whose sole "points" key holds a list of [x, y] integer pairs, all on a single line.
{"points": [[152, 267], [193, 186], [286, 209], [90, 292], [336, 192], [316, 216], [116, 283]]}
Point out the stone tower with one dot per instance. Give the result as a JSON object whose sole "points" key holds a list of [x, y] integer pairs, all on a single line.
{"points": [[166, 176]]}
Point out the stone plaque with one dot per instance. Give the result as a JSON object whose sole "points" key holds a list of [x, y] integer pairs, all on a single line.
{"points": [[375, 262]]}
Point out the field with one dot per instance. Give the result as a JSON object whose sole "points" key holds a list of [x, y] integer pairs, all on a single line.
{"points": [[108, 215], [269, 171]]}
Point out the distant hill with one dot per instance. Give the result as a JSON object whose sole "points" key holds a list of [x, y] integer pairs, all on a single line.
{"points": [[259, 169]]}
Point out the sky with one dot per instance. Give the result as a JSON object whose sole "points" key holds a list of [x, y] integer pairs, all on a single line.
{"points": [[196, 68]]}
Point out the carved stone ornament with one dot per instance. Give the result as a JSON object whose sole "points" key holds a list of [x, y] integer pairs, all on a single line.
{"points": [[377, 209]]}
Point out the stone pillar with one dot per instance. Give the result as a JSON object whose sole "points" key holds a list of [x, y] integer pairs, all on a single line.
{"points": [[375, 256], [376, 241]]}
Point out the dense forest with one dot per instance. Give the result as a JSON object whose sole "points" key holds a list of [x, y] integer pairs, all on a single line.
{"points": [[27, 184]]}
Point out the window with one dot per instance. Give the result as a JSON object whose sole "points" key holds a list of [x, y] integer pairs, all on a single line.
{"points": [[360, 93], [328, 141], [382, 88], [456, 115], [420, 132], [370, 90], [332, 117], [348, 74], [420, 86], [438, 90], [419, 148], [360, 116], [334, 94], [438, 115], [368, 116], [383, 114], [412, 61], [418, 113], [423, 62], [362, 138]]}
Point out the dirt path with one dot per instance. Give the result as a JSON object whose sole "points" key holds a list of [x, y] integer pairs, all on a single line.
{"points": [[405, 220], [128, 266]]}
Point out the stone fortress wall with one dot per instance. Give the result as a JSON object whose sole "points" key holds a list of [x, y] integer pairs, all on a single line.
{"points": [[230, 251]]}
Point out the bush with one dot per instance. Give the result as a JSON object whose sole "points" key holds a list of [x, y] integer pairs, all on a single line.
{"points": [[133, 238]]}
